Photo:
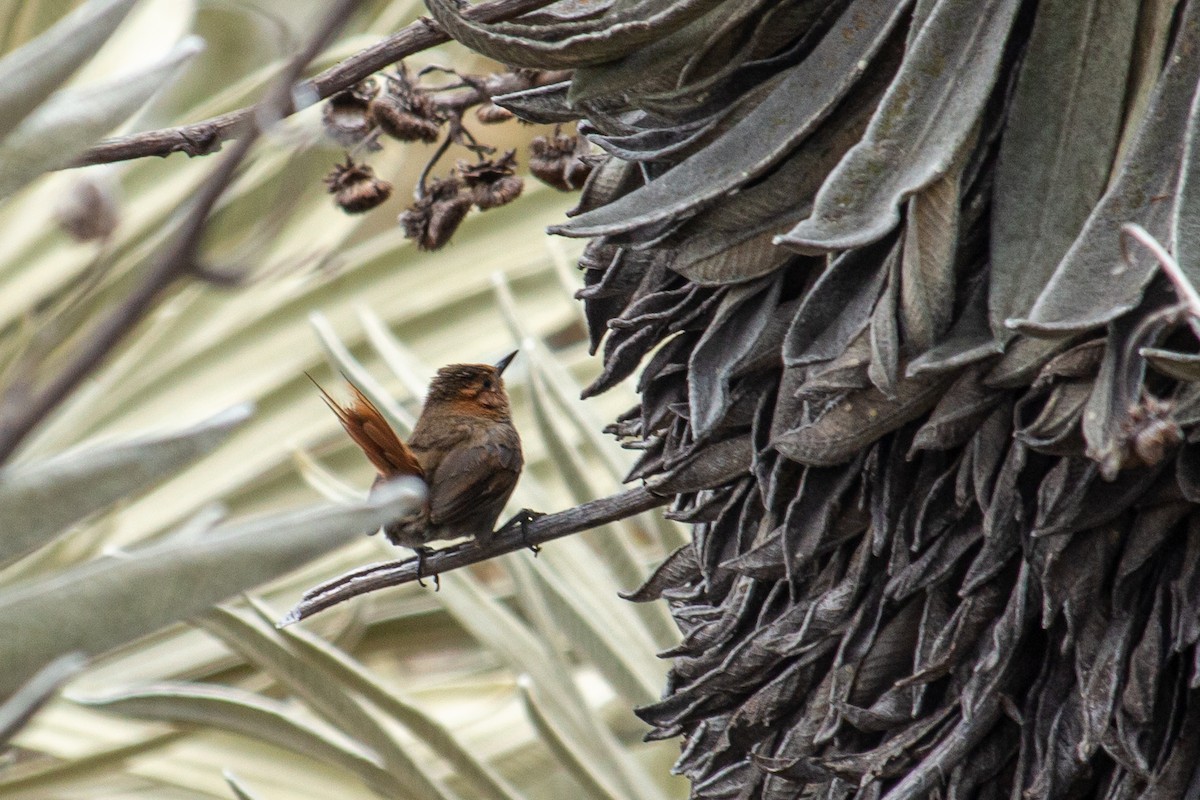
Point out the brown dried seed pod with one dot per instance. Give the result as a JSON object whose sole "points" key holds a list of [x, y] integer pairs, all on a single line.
{"points": [[407, 115], [497, 193], [556, 160], [491, 182], [491, 114], [346, 115], [444, 221], [88, 211], [415, 219], [1151, 431], [346, 126], [355, 188], [434, 218], [363, 91]]}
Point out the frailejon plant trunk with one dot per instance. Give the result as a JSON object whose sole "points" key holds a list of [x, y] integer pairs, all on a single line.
{"points": [[929, 412]]}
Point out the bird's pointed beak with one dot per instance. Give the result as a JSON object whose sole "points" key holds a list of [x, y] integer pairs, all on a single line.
{"points": [[504, 362]]}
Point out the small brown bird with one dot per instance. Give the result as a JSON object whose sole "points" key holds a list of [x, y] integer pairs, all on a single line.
{"points": [[464, 447]]}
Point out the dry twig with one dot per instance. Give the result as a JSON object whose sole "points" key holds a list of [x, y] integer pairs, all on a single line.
{"points": [[205, 137], [538, 531]]}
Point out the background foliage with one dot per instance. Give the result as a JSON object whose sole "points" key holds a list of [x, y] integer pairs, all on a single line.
{"points": [[514, 681]]}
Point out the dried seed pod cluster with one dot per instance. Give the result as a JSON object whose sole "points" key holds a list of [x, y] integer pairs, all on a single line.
{"points": [[347, 116], [434, 218], [88, 210], [557, 161], [355, 188], [937, 451], [492, 183], [393, 104], [406, 114]]}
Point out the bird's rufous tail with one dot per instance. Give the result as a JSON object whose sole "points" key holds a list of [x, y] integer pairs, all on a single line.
{"points": [[371, 432]]}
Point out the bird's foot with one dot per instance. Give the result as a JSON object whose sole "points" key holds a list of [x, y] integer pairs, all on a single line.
{"points": [[422, 552], [521, 520]]}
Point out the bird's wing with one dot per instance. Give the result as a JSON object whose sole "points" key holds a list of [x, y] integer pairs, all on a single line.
{"points": [[468, 479], [370, 431]]}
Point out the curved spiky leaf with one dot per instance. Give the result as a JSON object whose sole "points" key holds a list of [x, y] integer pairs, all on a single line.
{"points": [[796, 106], [922, 121]]}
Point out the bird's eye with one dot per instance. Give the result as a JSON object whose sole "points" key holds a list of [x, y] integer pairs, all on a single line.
{"points": [[487, 383]]}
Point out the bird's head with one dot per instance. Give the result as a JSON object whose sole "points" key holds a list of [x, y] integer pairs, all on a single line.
{"points": [[472, 385]]}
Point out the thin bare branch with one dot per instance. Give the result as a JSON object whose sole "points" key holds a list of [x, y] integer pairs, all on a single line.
{"points": [[205, 137], [539, 531], [21, 412]]}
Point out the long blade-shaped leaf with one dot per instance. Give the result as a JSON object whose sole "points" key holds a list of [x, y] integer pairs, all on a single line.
{"points": [[1185, 225], [1087, 289], [104, 603], [39, 500], [922, 121], [351, 675], [28, 75], [247, 714], [17, 710], [73, 119], [570, 44], [793, 109], [240, 791], [262, 645], [560, 699], [568, 752], [1058, 145]]}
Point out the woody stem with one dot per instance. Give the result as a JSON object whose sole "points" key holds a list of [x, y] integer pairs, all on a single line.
{"points": [[538, 531], [205, 137], [421, 190]]}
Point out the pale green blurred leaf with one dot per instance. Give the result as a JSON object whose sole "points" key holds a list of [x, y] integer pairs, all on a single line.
{"points": [[73, 119], [104, 603], [352, 370], [247, 714], [24, 703], [29, 74], [347, 674], [239, 789], [39, 500], [559, 698], [570, 753], [263, 646], [587, 629]]}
